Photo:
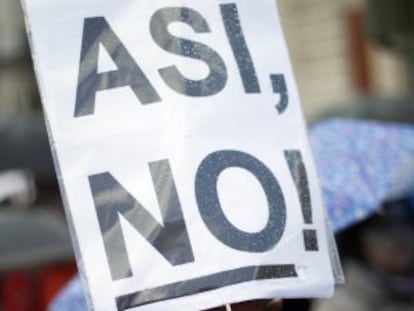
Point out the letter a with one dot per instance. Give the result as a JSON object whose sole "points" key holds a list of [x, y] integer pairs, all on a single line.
{"points": [[97, 32]]}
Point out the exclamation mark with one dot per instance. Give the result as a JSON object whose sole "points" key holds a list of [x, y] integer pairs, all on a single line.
{"points": [[300, 177]]}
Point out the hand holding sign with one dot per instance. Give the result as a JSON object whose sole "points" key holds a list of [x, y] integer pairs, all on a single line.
{"points": [[184, 187]]}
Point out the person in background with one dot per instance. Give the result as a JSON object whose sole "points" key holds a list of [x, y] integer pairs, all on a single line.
{"points": [[378, 257]]}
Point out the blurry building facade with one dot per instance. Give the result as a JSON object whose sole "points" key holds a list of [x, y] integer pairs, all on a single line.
{"points": [[332, 58], [18, 90]]}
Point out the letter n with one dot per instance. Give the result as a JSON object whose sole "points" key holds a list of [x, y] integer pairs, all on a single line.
{"points": [[112, 201]]}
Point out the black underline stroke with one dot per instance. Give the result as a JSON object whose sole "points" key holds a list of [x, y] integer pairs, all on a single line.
{"points": [[204, 284]]}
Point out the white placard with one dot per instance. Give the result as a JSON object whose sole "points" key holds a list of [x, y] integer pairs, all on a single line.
{"points": [[181, 150]]}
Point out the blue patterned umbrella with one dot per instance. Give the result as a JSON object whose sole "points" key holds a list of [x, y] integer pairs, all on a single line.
{"points": [[361, 164], [71, 298]]}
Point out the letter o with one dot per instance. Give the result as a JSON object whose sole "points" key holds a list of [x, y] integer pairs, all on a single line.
{"points": [[212, 214]]}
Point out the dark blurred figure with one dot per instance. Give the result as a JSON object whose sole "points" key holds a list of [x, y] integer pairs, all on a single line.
{"points": [[378, 256]]}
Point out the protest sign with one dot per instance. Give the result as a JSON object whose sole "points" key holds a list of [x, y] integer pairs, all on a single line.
{"points": [[181, 151]]}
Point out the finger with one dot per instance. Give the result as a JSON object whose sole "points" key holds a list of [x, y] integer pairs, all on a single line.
{"points": [[274, 305]]}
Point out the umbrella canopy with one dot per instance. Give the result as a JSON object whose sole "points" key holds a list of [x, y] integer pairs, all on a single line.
{"points": [[71, 298], [361, 164]]}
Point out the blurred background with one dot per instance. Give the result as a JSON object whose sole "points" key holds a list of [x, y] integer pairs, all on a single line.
{"points": [[353, 59]]}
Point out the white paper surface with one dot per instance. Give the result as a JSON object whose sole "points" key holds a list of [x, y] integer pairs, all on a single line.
{"points": [[123, 135]]}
